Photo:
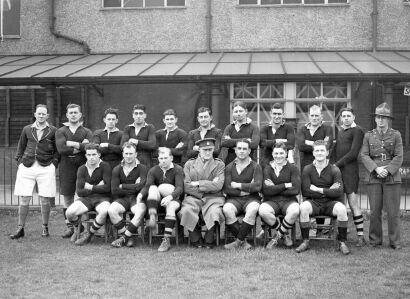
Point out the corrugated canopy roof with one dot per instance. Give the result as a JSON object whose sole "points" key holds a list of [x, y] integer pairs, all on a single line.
{"points": [[188, 67]]}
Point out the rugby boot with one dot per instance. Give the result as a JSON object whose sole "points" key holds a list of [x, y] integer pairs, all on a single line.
{"points": [[343, 248], [287, 240], [45, 232], [361, 241], [395, 246], [18, 234], [120, 242], [76, 233], [273, 242], [246, 245], [68, 232], [165, 245], [234, 245], [131, 242], [85, 239], [303, 246]]}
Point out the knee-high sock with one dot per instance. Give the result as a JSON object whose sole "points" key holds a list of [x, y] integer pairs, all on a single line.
{"points": [[23, 212], [210, 235], [304, 230], [285, 226], [95, 226], [45, 213], [234, 228], [358, 222], [244, 230], [342, 229], [169, 226]]}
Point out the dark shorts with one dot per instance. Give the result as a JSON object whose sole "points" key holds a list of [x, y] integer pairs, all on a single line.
{"points": [[280, 206], [322, 208], [92, 202], [241, 203], [350, 176], [127, 202]]}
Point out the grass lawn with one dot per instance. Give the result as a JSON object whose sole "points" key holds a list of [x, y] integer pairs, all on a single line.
{"points": [[35, 267]]}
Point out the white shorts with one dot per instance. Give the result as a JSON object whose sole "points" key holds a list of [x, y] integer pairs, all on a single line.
{"points": [[27, 177]]}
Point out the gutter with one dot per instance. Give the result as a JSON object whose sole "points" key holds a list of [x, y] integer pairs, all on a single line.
{"points": [[57, 34], [208, 18], [374, 15]]}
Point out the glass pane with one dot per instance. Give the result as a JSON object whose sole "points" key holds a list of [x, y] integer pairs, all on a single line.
{"points": [[11, 17], [302, 113], [133, 3], [253, 111], [292, 1], [307, 90], [245, 91], [176, 3], [314, 1], [338, 1], [264, 114], [244, 2], [271, 91], [335, 90], [267, 2], [154, 3], [112, 3]]}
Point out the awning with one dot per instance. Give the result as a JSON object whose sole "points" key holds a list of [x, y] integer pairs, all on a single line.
{"points": [[205, 67]]}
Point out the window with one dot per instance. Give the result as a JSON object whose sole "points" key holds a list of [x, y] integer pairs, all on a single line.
{"points": [[9, 18], [142, 3], [285, 2]]}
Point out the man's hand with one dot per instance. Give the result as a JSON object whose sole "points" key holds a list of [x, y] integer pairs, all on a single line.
{"points": [[195, 148], [216, 179], [179, 145], [236, 185], [288, 185], [335, 186], [134, 141], [227, 137], [104, 144], [139, 198], [381, 171], [281, 140], [195, 184], [137, 181], [76, 151], [268, 182], [316, 189], [88, 186], [73, 144], [166, 200], [309, 142], [244, 193]]}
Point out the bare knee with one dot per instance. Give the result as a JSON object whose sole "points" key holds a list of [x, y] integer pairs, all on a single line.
{"points": [[340, 211], [25, 200], [265, 211]]}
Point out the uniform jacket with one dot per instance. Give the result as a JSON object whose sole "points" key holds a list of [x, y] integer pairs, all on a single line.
{"points": [[30, 148], [382, 150], [210, 177], [195, 135]]}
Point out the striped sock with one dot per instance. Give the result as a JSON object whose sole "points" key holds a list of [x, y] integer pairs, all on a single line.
{"points": [[276, 225], [95, 227], [120, 226], [358, 222], [283, 229], [169, 226]]}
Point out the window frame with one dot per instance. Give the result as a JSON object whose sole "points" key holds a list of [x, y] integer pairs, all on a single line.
{"points": [[302, 3], [4, 35], [165, 6]]}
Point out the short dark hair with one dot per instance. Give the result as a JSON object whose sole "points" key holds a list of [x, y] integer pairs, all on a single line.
{"points": [[138, 107], [129, 145], [244, 141], [169, 112], [276, 106], [320, 143], [71, 106], [41, 106], [348, 109], [205, 109], [164, 149], [240, 104], [92, 146], [111, 111], [281, 145]]}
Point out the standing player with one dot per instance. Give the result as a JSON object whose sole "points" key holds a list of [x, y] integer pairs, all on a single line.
{"points": [[348, 144], [172, 137], [127, 180], [206, 129], [71, 140], [93, 185], [109, 138], [37, 160]]}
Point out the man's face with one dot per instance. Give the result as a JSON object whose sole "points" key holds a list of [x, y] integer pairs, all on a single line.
{"points": [[164, 160], [206, 152], [129, 154], [320, 152], [239, 113], [279, 155], [110, 121], [315, 117], [242, 150], [347, 118], [93, 156], [73, 115], [204, 119], [41, 115], [277, 116], [139, 116], [170, 121], [382, 122]]}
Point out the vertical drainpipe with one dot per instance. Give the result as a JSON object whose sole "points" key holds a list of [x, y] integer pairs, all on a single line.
{"points": [[374, 15], [208, 26]]}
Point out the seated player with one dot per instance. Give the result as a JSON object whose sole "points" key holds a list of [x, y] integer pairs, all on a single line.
{"points": [[281, 185], [164, 186], [322, 188], [127, 180], [203, 182], [243, 181], [93, 187]]}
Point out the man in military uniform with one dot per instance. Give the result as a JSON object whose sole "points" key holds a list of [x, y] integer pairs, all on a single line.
{"points": [[204, 179], [382, 155]]}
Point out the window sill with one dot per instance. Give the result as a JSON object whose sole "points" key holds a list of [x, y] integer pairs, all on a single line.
{"points": [[143, 8], [11, 36], [294, 5]]}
